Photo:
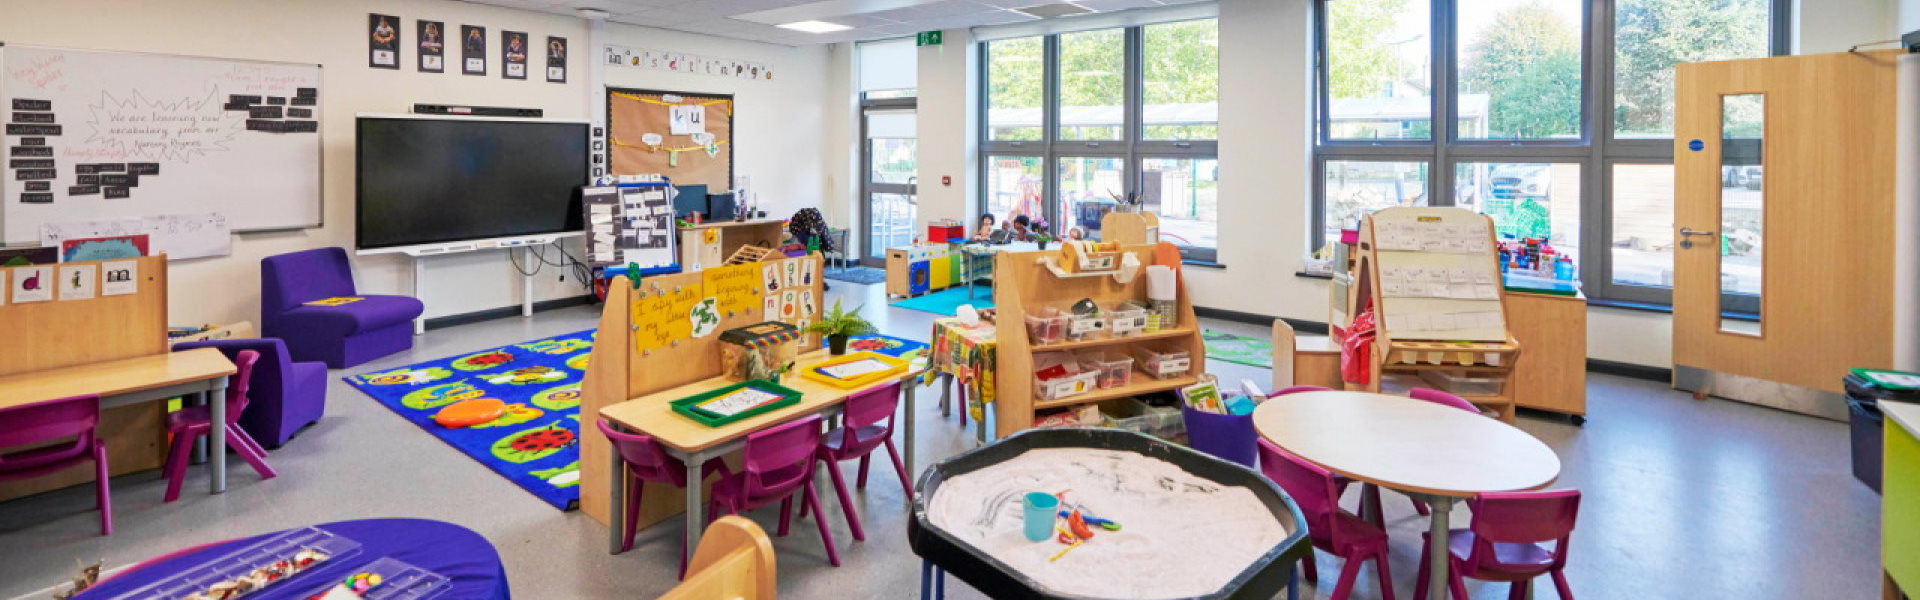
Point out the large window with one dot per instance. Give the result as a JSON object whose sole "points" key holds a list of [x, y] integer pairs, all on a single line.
{"points": [[1132, 111], [1554, 117]]}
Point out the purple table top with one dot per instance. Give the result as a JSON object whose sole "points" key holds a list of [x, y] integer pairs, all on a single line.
{"points": [[450, 550]]}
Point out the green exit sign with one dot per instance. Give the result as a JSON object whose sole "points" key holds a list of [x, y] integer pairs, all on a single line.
{"points": [[928, 38]]}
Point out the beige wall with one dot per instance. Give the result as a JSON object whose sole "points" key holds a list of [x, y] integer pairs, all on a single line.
{"points": [[778, 121]]}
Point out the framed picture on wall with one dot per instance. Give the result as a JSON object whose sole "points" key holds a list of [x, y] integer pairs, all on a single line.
{"points": [[473, 50], [433, 46], [513, 54], [556, 59], [383, 41]]}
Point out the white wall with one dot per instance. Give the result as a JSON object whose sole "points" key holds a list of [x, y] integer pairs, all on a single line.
{"points": [[779, 121], [948, 144]]}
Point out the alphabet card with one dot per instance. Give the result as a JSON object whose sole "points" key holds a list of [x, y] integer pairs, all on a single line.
{"points": [[791, 268], [78, 282], [772, 307], [119, 277], [32, 284], [772, 272]]}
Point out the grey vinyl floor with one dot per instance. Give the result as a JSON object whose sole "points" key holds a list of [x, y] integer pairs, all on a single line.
{"points": [[1682, 499]]}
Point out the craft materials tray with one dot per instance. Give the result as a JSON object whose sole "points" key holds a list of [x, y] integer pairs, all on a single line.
{"points": [[399, 580], [855, 370], [701, 409], [198, 579]]}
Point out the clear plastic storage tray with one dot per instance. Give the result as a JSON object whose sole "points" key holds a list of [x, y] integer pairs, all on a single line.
{"points": [[1163, 363], [1077, 381], [1110, 369], [1047, 326], [199, 578], [1124, 320], [1462, 384], [1159, 421], [1086, 327]]}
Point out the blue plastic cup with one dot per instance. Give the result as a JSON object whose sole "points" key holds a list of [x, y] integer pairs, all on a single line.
{"points": [[1040, 507]]}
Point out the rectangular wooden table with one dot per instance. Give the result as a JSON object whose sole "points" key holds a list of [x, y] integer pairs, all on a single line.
{"points": [[150, 378], [695, 444]]}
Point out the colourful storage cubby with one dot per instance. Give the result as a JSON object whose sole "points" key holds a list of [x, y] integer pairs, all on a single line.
{"points": [[941, 270], [919, 277]]}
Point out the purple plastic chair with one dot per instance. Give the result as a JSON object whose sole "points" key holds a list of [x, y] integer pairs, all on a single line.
{"points": [[341, 336], [1504, 542], [777, 463], [189, 423], [284, 396], [1331, 529], [646, 461], [866, 426], [50, 420]]}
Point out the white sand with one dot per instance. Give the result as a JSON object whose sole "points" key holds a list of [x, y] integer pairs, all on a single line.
{"points": [[1181, 535]]}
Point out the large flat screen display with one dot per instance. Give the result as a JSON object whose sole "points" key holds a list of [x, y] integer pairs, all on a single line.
{"points": [[433, 180]]}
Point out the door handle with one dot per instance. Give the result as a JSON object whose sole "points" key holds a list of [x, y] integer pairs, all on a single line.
{"points": [[1686, 236]]}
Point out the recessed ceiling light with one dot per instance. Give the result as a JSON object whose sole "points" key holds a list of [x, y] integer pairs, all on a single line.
{"points": [[814, 26], [1048, 11]]}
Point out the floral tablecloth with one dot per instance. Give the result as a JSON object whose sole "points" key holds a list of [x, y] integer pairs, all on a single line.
{"points": [[967, 353]]}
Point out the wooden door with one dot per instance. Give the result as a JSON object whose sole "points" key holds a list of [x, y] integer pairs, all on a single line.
{"points": [[1784, 191]]}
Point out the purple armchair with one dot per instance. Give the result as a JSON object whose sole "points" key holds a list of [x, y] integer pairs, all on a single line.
{"points": [[284, 395], [341, 336]]}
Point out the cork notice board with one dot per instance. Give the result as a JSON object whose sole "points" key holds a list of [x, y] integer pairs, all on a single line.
{"points": [[634, 114]]}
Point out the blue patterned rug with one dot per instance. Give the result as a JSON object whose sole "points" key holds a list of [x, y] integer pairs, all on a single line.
{"points": [[535, 442], [857, 274]]}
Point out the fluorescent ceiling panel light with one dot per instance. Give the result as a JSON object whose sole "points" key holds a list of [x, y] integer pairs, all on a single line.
{"points": [[1048, 11], [826, 9], [814, 26]]}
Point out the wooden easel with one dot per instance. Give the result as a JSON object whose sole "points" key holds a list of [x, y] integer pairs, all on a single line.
{"points": [[618, 372], [62, 333], [1417, 332]]}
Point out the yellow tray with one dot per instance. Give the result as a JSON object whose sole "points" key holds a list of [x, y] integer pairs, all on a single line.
{"points": [[817, 372]]}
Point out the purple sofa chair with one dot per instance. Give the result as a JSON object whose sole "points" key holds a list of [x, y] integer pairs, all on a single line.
{"points": [[341, 336], [284, 396]]}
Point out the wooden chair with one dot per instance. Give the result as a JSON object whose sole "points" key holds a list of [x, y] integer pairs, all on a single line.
{"points": [[1304, 361], [734, 560]]}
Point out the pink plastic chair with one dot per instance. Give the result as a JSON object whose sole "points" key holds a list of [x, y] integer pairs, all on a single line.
{"points": [[647, 461], [1504, 542], [777, 463], [866, 426], [189, 423], [1331, 529], [1443, 399], [1297, 389], [1368, 493], [49, 420]]}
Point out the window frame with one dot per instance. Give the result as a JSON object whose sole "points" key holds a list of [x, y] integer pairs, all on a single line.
{"points": [[1597, 149], [1131, 149]]}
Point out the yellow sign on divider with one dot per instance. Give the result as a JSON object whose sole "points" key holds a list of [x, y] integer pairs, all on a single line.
{"points": [[660, 319], [735, 288]]}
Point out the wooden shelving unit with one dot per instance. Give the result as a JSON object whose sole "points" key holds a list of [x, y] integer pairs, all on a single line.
{"points": [[1023, 283]]}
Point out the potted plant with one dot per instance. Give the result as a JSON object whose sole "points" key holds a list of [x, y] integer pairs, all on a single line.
{"points": [[1042, 233], [838, 325]]}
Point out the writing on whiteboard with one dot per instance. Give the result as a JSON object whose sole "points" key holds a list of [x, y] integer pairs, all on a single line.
{"points": [[134, 126]]}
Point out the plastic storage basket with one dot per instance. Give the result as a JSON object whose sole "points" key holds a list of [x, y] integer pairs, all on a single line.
{"points": [[1163, 363]]}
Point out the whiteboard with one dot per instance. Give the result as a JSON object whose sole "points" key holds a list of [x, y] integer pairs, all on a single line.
{"points": [[93, 135]]}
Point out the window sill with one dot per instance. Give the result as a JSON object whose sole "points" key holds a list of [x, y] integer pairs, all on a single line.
{"points": [[1203, 263], [1306, 275]]}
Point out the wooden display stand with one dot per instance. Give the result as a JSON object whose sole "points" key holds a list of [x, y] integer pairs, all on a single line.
{"points": [[1022, 283], [711, 244], [65, 333], [1408, 257], [1130, 228], [1304, 361], [618, 371]]}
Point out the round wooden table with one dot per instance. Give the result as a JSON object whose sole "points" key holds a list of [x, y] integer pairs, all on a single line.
{"points": [[1432, 452]]}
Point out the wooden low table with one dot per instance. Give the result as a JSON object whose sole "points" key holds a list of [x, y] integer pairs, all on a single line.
{"points": [[150, 378], [1435, 453], [695, 444]]}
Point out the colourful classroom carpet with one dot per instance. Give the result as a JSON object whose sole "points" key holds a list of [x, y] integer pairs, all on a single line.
{"points": [[535, 442], [1237, 349], [947, 302]]}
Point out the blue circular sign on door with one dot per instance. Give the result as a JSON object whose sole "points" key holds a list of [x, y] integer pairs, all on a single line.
{"points": [[1696, 145]]}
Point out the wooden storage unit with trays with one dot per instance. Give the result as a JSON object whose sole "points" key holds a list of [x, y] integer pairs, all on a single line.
{"points": [[1432, 278], [1035, 296], [1554, 330]]}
